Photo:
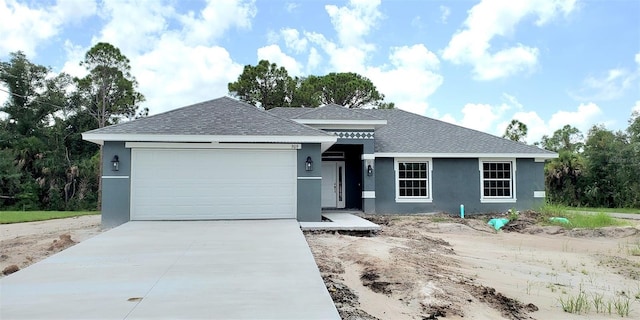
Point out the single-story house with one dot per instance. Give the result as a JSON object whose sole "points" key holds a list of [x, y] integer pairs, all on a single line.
{"points": [[225, 159]]}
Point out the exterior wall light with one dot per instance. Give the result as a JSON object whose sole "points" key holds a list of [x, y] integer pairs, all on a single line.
{"points": [[115, 163], [308, 165], [369, 170]]}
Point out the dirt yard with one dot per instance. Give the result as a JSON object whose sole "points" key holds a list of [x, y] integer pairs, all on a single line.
{"points": [[434, 267], [22, 244]]}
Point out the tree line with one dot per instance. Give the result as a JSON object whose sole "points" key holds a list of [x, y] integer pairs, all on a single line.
{"points": [[599, 170], [45, 164]]}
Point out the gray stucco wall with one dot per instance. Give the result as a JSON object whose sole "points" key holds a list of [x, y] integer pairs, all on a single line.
{"points": [[115, 185], [456, 182], [309, 183]]}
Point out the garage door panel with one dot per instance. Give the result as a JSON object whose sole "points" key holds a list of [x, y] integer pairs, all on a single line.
{"points": [[184, 184]]}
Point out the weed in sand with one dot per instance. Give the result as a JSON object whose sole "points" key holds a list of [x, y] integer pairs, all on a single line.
{"points": [[622, 306], [578, 304], [598, 302]]}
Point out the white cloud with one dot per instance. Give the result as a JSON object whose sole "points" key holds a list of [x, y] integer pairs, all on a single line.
{"points": [[354, 21], [416, 63], [494, 119], [274, 54], [351, 23], [293, 40], [291, 6], [175, 74], [636, 108], [132, 25], [314, 60], [444, 13], [582, 118], [75, 54], [4, 96], [216, 18], [496, 18], [610, 86], [637, 58], [24, 28]]}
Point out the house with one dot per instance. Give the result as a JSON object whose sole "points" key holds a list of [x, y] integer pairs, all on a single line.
{"points": [[225, 159]]}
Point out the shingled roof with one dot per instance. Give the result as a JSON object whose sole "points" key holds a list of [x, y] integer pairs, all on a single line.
{"points": [[408, 132], [219, 117], [335, 112]]}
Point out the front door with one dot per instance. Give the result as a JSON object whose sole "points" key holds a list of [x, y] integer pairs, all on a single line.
{"points": [[333, 184]]}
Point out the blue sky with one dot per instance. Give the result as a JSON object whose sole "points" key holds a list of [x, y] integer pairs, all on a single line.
{"points": [[474, 63]]}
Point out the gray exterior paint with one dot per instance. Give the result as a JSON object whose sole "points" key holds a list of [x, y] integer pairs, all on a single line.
{"points": [[455, 182], [116, 185], [309, 204], [357, 179]]}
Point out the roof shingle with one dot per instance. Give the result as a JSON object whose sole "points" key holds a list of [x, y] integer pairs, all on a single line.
{"points": [[222, 116]]}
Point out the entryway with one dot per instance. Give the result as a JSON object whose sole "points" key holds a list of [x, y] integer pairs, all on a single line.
{"points": [[333, 184]]}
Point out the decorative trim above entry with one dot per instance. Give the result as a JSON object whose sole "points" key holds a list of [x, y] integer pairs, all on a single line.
{"points": [[353, 134]]}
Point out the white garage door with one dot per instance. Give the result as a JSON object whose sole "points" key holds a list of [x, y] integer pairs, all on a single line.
{"points": [[196, 184]]}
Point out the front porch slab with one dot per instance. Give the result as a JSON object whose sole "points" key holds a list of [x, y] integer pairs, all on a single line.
{"points": [[340, 221]]}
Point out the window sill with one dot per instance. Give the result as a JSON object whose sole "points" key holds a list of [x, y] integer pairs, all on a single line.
{"points": [[413, 200], [498, 200]]}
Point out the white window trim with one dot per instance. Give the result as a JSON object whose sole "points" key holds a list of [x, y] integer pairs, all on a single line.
{"points": [[511, 199], [427, 199]]}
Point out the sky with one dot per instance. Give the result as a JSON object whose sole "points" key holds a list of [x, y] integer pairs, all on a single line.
{"points": [[478, 64]]}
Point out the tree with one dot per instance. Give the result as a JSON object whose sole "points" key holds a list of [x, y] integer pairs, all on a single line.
{"points": [[346, 89], [562, 178], [27, 84], [268, 86], [568, 138], [516, 131], [265, 85], [109, 91]]}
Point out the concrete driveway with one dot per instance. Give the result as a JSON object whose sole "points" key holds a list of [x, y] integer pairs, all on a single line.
{"points": [[175, 270]]}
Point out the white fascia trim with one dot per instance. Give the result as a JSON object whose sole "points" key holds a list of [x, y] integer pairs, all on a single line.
{"points": [[309, 178], [498, 200], [100, 138], [368, 194], [465, 155], [115, 177], [211, 145], [367, 157]]}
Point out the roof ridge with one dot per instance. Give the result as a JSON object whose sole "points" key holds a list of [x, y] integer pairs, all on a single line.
{"points": [[310, 110], [277, 116], [353, 110]]}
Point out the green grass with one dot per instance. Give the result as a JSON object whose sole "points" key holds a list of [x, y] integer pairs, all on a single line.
{"points": [[615, 210], [27, 216], [577, 219]]}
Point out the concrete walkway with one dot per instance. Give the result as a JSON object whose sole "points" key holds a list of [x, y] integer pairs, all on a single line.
{"points": [[340, 221], [175, 270]]}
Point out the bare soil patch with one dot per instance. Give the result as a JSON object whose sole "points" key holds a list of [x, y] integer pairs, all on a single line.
{"points": [[441, 267], [22, 244]]}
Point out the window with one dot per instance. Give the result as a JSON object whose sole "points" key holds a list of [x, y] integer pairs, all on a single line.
{"points": [[413, 180], [498, 181]]}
